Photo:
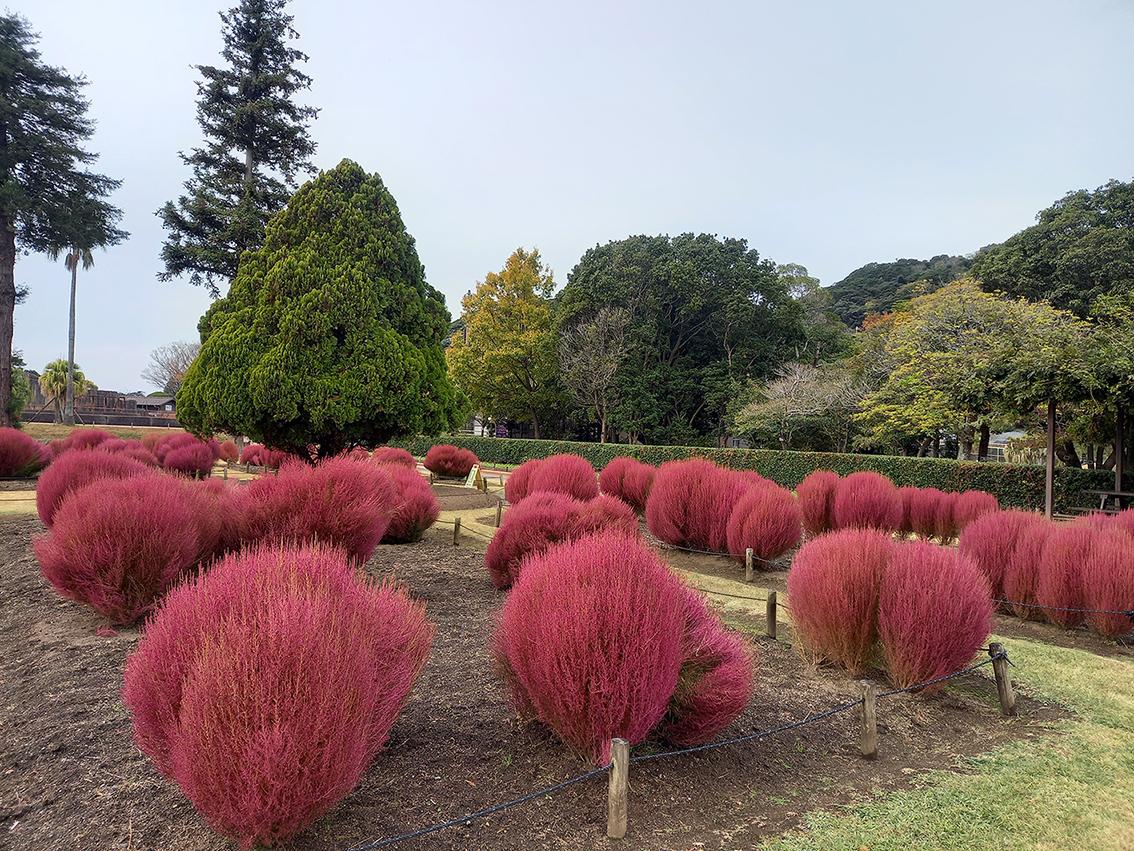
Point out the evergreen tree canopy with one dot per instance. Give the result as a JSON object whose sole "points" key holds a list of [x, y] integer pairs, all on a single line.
{"points": [[256, 143], [706, 316], [877, 287], [1081, 248], [48, 200], [329, 334]]}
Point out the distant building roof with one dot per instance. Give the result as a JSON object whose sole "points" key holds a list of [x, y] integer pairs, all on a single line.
{"points": [[149, 401]]}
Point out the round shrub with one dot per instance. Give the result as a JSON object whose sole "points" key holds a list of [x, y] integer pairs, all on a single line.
{"points": [[393, 455], [1059, 584], [217, 516], [946, 525], [519, 481], [628, 479], [546, 518], [1123, 521], [767, 519], [84, 438], [816, 495], [228, 452], [1108, 584], [266, 686], [1023, 568], [590, 641], [690, 503], [569, 474], [833, 586], [190, 459], [723, 490], [151, 439], [444, 459], [338, 501], [119, 544], [990, 542], [921, 507], [867, 500], [21, 455], [907, 495], [715, 681], [258, 455], [416, 508], [972, 504], [934, 612], [75, 469]]}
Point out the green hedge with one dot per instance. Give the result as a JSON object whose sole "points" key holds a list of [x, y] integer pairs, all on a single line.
{"points": [[1016, 485]]}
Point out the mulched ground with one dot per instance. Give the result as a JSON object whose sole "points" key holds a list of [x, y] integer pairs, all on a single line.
{"points": [[70, 777]]}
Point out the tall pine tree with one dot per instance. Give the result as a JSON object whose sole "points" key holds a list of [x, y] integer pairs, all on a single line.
{"points": [[48, 200], [256, 143]]}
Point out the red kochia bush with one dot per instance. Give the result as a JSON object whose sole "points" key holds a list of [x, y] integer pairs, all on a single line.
{"points": [[266, 686], [444, 459], [546, 518], [947, 527], [922, 507], [227, 451], [970, 505], [590, 641], [73, 470], [258, 455], [416, 508], [216, 508], [21, 455], [867, 500], [1108, 584], [190, 459], [628, 479], [934, 612], [690, 502], [1023, 568], [715, 681], [1059, 584], [393, 455], [816, 495], [766, 519], [833, 586], [991, 539], [118, 544], [569, 474], [345, 503], [84, 438], [518, 483]]}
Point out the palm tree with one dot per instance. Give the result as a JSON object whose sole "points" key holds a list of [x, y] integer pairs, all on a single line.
{"points": [[57, 378]]}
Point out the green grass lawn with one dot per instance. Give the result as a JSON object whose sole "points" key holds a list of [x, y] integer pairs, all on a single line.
{"points": [[51, 431], [1072, 788]]}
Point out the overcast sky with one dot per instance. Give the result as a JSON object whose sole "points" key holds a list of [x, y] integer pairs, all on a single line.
{"points": [[829, 134]]}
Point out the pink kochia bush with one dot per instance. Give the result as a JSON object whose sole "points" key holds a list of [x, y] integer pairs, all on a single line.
{"points": [[265, 687], [934, 612], [21, 455], [519, 481], [1059, 584], [77, 468], [117, 545], [993, 539], [683, 508], [339, 501], [867, 500], [447, 460], [765, 519], [258, 455], [970, 505], [1108, 584], [546, 518], [598, 639], [833, 585], [628, 479], [393, 455], [569, 474], [816, 495], [416, 508], [922, 507], [228, 452]]}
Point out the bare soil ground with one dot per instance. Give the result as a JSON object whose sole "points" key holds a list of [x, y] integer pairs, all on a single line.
{"points": [[71, 778]]}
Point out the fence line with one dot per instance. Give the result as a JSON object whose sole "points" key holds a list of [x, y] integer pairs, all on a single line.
{"points": [[1129, 614], [846, 706]]}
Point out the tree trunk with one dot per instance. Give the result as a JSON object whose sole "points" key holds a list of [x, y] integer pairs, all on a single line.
{"points": [[1066, 452], [1049, 467], [602, 429], [1119, 429], [965, 444], [535, 425], [937, 443], [69, 394], [7, 314], [982, 447]]}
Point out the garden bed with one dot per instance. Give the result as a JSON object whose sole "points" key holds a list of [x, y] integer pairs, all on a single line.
{"points": [[71, 776]]}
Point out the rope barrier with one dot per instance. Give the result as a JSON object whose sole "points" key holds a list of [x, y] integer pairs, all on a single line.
{"points": [[734, 596], [933, 682], [1129, 614], [479, 814], [755, 557]]}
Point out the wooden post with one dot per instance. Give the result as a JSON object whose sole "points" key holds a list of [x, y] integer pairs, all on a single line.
{"points": [[1049, 481], [770, 614], [1003, 680], [617, 809], [868, 736], [499, 509], [748, 565], [456, 531], [430, 477], [225, 475]]}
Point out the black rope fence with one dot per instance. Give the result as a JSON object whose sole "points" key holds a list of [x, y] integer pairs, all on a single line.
{"points": [[838, 709], [1129, 614]]}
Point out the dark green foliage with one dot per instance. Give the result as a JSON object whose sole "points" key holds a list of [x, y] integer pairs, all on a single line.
{"points": [[877, 287], [1015, 485], [48, 199], [256, 143], [1080, 248], [329, 334], [707, 315]]}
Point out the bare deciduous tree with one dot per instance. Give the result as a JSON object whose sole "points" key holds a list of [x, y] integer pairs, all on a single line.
{"points": [[801, 392], [589, 355], [168, 365]]}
